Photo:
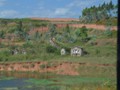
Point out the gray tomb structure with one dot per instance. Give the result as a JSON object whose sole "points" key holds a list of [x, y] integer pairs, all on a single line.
{"points": [[76, 51]]}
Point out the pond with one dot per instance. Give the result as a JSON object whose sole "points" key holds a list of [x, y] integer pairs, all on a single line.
{"points": [[26, 81], [50, 81]]}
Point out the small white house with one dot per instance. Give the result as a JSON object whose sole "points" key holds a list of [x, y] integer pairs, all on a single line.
{"points": [[76, 51], [63, 52]]}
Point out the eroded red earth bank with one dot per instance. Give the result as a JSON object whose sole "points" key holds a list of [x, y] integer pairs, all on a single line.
{"points": [[62, 68]]}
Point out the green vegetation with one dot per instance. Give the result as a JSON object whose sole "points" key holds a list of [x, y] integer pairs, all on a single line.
{"points": [[97, 43], [18, 44], [6, 78], [102, 14], [76, 83]]}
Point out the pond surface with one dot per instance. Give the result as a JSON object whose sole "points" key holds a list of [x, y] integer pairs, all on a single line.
{"points": [[22, 81], [49, 81], [13, 83]]}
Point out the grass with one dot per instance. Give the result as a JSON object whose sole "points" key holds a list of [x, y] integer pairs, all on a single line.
{"points": [[79, 82], [97, 54], [6, 78], [91, 77], [9, 88], [97, 71]]}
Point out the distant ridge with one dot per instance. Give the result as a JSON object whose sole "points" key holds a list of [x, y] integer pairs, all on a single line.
{"points": [[56, 19]]}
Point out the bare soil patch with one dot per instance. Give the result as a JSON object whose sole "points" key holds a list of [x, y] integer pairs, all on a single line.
{"points": [[62, 68]]}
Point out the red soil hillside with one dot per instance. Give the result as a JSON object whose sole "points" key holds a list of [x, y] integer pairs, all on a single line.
{"points": [[62, 22], [61, 68], [93, 26]]}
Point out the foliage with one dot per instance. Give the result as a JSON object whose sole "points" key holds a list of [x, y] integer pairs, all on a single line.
{"points": [[82, 33], [108, 33], [67, 29], [43, 66], [2, 34], [102, 12], [3, 22], [20, 31], [52, 30], [37, 35], [28, 44], [51, 49]]}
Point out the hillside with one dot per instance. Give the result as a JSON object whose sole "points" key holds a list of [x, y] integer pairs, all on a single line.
{"points": [[56, 19]]}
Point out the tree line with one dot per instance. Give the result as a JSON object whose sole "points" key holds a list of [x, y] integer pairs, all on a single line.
{"points": [[104, 11]]}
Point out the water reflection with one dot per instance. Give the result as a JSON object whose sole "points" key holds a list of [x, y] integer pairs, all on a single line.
{"points": [[20, 78], [35, 75]]}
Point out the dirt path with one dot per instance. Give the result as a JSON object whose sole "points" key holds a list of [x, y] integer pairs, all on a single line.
{"points": [[62, 68]]}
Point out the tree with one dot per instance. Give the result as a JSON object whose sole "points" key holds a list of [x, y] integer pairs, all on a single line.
{"points": [[52, 30], [82, 33], [2, 34], [67, 29], [102, 12], [37, 35], [20, 31], [4, 22], [19, 26]]}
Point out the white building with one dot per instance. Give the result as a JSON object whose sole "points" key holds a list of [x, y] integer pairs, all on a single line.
{"points": [[63, 52], [76, 51]]}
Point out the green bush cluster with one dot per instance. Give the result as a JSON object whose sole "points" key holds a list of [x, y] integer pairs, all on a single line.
{"points": [[51, 49]]}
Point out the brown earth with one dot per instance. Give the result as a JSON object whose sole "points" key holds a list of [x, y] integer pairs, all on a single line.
{"points": [[62, 68], [93, 26], [56, 19], [60, 22]]}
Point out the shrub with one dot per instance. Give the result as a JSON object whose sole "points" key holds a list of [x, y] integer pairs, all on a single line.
{"points": [[2, 45], [2, 34], [67, 50], [32, 65], [71, 40], [6, 53], [97, 51], [28, 44], [108, 33], [82, 33], [42, 66], [25, 66], [12, 30], [51, 49]]}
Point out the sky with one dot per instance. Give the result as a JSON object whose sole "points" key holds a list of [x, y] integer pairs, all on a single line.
{"points": [[46, 8]]}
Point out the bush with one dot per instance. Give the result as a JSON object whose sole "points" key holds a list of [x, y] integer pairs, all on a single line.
{"points": [[28, 44], [67, 50], [42, 66], [82, 33], [2, 45], [32, 65], [4, 56], [108, 33], [2, 34], [51, 49], [97, 51]]}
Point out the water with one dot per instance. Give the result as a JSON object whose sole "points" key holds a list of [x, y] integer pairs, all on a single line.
{"points": [[19, 81], [13, 83], [49, 81]]}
